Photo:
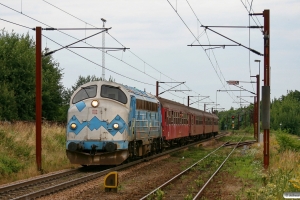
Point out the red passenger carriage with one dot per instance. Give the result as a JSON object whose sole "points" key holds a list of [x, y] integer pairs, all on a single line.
{"points": [[181, 123]]}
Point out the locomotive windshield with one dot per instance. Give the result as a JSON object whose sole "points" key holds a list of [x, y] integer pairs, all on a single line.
{"points": [[85, 93], [114, 93]]}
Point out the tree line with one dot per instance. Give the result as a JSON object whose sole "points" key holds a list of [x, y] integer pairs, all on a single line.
{"points": [[17, 81], [284, 114]]}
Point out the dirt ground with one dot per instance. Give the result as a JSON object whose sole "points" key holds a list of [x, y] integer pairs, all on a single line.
{"points": [[137, 181]]}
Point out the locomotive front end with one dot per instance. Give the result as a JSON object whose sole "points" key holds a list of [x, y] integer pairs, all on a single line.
{"points": [[97, 129]]}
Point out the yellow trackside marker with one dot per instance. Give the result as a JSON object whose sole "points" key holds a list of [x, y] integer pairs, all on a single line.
{"points": [[111, 182]]}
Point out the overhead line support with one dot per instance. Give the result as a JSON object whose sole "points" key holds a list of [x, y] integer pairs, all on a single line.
{"points": [[157, 87], [38, 98], [252, 50], [51, 52], [235, 26], [65, 29]]}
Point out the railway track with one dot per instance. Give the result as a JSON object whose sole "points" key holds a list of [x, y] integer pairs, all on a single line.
{"points": [[194, 175], [46, 184], [49, 184]]}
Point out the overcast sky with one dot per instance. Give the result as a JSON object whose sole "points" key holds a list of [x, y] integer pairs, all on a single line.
{"points": [[158, 32]]}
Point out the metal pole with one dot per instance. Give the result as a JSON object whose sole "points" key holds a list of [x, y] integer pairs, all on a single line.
{"points": [[238, 125], [188, 101], [253, 117], [266, 15], [103, 51], [157, 88], [216, 99], [258, 94], [258, 107], [38, 97]]}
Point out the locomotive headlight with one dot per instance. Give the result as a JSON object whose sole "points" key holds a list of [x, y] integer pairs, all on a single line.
{"points": [[95, 103], [116, 126], [73, 126]]}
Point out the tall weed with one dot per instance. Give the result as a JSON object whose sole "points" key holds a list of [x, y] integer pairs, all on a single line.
{"points": [[287, 142], [17, 150]]}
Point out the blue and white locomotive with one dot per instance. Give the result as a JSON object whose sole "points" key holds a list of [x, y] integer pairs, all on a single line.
{"points": [[109, 123]]}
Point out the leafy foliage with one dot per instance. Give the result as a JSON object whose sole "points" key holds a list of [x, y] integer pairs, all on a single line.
{"points": [[17, 82], [9, 165], [286, 142], [284, 110]]}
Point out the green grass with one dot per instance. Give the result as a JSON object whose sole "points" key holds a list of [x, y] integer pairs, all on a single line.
{"points": [[13, 154], [236, 136], [9, 165], [244, 166], [17, 151], [287, 142], [283, 174]]}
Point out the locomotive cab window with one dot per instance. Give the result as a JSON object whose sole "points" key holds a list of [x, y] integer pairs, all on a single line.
{"points": [[85, 93], [114, 93]]}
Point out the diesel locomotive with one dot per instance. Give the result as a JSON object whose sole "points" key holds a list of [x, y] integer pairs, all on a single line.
{"points": [[110, 123]]}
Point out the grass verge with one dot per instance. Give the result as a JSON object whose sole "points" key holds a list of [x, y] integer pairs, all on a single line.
{"points": [[17, 150]]}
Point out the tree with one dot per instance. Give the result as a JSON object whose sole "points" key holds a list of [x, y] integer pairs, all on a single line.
{"points": [[17, 80], [286, 111], [8, 105], [52, 88]]}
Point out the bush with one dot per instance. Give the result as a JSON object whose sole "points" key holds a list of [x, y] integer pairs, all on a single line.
{"points": [[9, 165], [286, 142]]}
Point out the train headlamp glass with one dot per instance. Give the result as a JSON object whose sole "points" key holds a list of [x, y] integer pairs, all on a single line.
{"points": [[95, 103], [73, 126], [116, 126]]}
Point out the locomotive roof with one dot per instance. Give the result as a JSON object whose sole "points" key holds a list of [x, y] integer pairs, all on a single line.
{"points": [[139, 94]]}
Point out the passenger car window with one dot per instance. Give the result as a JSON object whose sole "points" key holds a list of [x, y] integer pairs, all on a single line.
{"points": [[114, 93], [85, 93]]}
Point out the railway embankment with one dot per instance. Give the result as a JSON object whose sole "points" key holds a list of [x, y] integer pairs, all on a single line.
{"points": [[242, 177]]}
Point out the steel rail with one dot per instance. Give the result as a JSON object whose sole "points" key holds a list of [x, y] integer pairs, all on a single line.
{"points": [[65, 185], [241, 143], [26, 183], [197, 195], [169, 181], [53, 189]]}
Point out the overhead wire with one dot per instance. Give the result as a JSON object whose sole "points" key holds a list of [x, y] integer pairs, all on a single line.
{"points": [[251, 15], [120, 44], [15, 23], [209, 43], [213, 51], [97, 63], [197, 39], [77, 39], [77, 53], [249, 11], [92, 46], [107, 33]]}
